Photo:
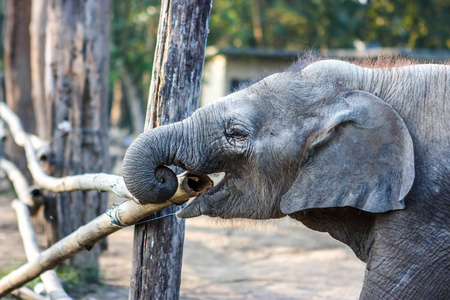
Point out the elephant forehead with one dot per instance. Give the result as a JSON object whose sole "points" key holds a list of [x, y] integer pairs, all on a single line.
{"points": [[239, 103]]}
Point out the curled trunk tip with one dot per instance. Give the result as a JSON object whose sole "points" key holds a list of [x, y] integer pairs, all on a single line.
{"points": [[144, 171]]}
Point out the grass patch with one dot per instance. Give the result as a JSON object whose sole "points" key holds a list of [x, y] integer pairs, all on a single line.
{"points": [[79, 282]]}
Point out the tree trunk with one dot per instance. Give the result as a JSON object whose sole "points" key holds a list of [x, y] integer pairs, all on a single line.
{"points": [[257, 24], [76, 73], [174, 95], [17, 73], [134, 103], [37, 41]]}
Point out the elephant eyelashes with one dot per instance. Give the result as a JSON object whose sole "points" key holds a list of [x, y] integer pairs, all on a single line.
{"points": [[236, 134]]}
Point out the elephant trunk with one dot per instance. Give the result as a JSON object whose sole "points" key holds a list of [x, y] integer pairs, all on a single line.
{"points": [[144, 166]]}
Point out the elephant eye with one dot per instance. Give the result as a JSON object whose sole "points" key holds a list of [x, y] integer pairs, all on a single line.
{"points": [[236, 134]]}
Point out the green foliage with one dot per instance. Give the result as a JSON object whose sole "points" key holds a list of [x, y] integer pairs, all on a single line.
{"points": [[406, 23], [332, 23], [78, 282], [292, 25], [134, 27]]}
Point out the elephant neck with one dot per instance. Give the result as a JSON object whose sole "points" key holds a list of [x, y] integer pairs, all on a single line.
{"points": [[407, 88], [349, 225]]}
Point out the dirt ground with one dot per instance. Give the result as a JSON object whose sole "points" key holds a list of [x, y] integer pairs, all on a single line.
{"points": [[276, 260]]}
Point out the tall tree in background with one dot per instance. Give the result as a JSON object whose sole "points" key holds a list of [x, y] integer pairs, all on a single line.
{"points": [[133, 39], [412, 24], [174, 95], [17, 73], [37, 63], [76, 74], [331, 23]]}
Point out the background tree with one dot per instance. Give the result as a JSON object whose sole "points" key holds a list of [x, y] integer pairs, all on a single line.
{"points": [[332, 24], [133, 39], [412, 24], [37, 64], [17, 69], [76, 73]]}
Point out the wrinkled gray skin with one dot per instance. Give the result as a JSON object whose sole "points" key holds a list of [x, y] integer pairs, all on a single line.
{"points": [[363, 154]]}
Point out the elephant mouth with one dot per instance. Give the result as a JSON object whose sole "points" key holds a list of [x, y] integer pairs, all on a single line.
{"points": [[204, 192], [207, 184]]}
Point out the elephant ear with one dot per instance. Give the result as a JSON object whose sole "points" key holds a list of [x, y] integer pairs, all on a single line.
{"points": [[361, 157]]}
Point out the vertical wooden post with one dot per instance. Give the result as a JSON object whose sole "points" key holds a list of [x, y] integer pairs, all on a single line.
{"points": [[174, 95]]}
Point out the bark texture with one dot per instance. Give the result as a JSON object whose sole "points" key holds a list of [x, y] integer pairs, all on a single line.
{"points": [[37, 60], [17, 73], [174, 95], [76, 79]]}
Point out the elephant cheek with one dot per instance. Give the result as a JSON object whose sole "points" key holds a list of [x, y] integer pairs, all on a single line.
{"points": [[213, 206]]}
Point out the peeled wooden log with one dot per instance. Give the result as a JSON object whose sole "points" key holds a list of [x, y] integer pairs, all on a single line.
{"points": [[51, 282], [27, 294], [19, 182], [15, 126]]}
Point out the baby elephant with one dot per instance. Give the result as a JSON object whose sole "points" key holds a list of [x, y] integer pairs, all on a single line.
{"points": [[360, 153]]}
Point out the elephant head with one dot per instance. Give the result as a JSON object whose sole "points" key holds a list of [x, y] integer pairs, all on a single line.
{"points": [[290, 142]]}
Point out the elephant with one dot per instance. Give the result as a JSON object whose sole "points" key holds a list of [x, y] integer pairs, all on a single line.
{"points": [[358, 151]]}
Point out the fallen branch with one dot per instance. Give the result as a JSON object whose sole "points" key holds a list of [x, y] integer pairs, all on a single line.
{"points": [[18, 181], [15, 126], [49, 278], [27, 294], [125, 214], [22, 207]]}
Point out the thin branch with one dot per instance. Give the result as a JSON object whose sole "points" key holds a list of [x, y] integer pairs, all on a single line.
{"points": [[18, 181], [27, 294], [16, 128], [49, 278], [101, 182]]}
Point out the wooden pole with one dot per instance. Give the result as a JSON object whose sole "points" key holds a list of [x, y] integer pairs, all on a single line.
{"points": [[174, 95]]}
